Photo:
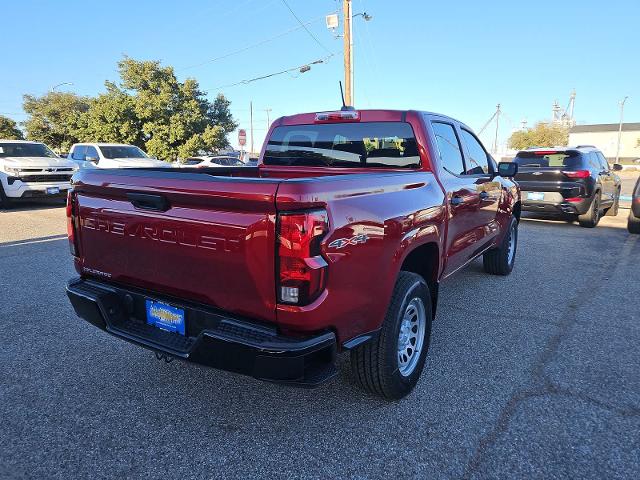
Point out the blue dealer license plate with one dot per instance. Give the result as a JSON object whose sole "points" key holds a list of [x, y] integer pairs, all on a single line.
{"points": [[53, 190], [165, 317], [535, 196]]}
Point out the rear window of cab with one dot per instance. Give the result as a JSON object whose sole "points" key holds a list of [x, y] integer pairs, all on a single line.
{"points": [[349, 145], [554, 159]]}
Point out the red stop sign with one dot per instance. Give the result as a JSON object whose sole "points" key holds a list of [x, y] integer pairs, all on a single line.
{"points": [[242, 137]]}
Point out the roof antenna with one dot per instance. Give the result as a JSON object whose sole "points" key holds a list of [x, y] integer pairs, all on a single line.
{"points": [[344, 105]]}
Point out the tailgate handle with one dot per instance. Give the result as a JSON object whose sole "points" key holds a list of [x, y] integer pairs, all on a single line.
{"points": [[147, 201]]}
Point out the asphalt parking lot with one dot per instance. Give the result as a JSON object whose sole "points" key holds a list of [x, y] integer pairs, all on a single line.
{"points": [[536, 375]]}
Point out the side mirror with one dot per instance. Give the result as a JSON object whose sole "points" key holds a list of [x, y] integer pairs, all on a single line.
{"points": [[617, 167], [507, 169]]}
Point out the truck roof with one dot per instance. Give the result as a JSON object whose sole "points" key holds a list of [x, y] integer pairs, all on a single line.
{"points": [[366, 115], [17, 141], [102, 144]]}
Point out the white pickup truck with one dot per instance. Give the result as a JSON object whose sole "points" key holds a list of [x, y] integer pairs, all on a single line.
{"points": [[111, 155], [31, 169]]}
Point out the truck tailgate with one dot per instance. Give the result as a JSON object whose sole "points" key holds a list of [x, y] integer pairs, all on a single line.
{"points": [[195, 236]]}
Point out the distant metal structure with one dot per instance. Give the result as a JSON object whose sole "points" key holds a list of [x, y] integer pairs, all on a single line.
{"points": [[564, 117]]}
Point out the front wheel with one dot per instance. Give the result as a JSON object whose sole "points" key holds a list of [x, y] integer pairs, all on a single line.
{"points": [[4, 201], [500, 260], [390, 365]]}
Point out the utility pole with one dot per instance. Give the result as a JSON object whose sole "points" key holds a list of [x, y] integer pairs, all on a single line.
{"points": [[620, 128], [348, 52], [251, 124], [495, 142], [268, 120]]}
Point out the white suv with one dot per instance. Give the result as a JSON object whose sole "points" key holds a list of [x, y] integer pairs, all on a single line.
{"points": [[31, 169], [111, 155]]}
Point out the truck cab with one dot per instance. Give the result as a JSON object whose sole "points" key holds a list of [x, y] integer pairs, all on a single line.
{"points": [[31, 169], [112, 155]]}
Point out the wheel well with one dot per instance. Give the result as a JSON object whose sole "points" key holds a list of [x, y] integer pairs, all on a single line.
{"points": [[425, 260], [517, 210]]}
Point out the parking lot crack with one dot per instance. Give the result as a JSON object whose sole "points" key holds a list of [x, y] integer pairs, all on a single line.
{"points": [[542, 384]]}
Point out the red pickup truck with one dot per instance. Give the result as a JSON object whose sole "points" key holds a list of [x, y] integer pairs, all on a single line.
{"points": [[336, 241]]}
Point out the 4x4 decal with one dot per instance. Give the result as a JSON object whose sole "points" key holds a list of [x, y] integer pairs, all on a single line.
{"points": [[343, 242]]}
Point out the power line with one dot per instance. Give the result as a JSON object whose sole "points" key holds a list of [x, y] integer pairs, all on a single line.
{"points": [[305, 27], [262, 77], [248, 47]]}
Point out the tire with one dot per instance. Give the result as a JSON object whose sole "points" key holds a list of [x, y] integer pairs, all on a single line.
{"points": [[379, 366], [592, 217], [633, 224], [500, 260], [615, 208], [4, 201]]}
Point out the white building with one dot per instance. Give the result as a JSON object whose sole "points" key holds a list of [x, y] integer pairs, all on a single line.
{"points": [[605, 137]]}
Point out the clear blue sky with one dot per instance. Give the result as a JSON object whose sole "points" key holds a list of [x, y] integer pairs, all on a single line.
{"points": [[459, 58]]}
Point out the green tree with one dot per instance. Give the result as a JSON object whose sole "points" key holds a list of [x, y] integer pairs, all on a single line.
{"points": [[57, 118], [9, 129], [542, 135], [166, 117], [112, 118]]}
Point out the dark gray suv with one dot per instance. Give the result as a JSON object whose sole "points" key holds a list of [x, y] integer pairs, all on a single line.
{"points": [[568, 181]]}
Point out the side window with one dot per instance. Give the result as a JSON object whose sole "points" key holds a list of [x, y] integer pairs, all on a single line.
{"points": [[92, 152], [477, 159], [448, 147], [79, 152], [603, 162]]}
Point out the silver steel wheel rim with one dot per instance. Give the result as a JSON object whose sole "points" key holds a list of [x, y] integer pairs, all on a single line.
{"points": [[411, 336], [511, 252]]}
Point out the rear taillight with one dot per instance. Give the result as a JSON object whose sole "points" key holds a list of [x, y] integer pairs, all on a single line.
{"points": [[71, 223], [577, 173], [574, 199], [301, 270]]}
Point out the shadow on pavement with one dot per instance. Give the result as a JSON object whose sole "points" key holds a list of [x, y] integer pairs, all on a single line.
{"points": [[35, 204]]}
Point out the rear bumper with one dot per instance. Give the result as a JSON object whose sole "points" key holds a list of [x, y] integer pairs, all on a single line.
{"points": [[554, 204], [212, 338]]}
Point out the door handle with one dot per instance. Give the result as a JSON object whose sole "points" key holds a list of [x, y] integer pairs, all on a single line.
{"points": [[147, 201]]}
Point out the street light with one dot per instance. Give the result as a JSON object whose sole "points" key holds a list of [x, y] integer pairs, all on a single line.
{"points": [[364, 15], [620, 128], [52, 89]]}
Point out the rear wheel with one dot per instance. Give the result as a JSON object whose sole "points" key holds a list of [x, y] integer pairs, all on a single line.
{"points": [[592, 217], [613, 210], [391, 364], [500, 260], [633, 224]]}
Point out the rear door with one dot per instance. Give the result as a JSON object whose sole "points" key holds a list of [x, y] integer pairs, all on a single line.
{"points": [[462, 197], [607, 179], [193, 236]]}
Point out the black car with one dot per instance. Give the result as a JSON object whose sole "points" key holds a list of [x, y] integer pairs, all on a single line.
{"points": [[633, 224], [569, 181]]}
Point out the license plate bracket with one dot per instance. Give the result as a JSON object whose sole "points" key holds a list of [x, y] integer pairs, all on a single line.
{"points": [[165, 317]]}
